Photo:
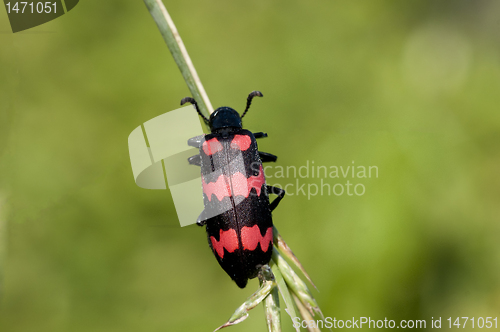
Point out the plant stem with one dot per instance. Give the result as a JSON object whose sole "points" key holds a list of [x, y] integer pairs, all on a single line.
{"points": [[3, 242], [176, 46]]}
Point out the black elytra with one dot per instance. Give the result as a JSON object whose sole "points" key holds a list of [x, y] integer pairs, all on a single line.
{"points": [[237, 211]]}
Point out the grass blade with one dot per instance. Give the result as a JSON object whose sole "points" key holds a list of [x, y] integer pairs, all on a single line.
{"points": [[176, 46]]}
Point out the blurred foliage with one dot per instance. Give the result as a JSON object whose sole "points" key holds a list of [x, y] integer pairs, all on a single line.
{"points": [[408, 86]]}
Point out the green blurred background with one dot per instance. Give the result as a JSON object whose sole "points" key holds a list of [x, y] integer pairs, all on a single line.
{"points": [[411, 87]]}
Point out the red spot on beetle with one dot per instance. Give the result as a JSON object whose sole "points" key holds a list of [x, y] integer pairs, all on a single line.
{"points": [[220, 188], [243, 186], [228, 240], [241, 142], [251, 237], [211, 146], [240, 185], [257, 181]]}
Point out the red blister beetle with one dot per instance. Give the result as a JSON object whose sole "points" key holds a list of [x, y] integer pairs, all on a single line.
{"points": [[237, 211]]}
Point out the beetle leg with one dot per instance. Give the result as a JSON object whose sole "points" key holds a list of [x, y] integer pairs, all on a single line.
{"points": [[201, 219], [277, 191], [196, 141], [195, 160], [260, 135], [265, 157]]}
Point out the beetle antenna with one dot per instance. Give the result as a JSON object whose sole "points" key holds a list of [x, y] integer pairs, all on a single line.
{"points": [[192, 101], [249, 100]]}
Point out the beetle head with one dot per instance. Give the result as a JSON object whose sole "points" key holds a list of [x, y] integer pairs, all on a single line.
{"points": [[224, 117]]}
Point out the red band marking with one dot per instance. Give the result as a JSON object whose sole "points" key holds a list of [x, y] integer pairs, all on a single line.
{"points": [[256, 182], [241, 142], [241, 185], [251, 237], [227, 239], [211, 146], [220, 188]]}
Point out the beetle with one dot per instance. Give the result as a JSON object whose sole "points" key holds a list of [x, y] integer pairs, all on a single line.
{"points": [[237, 211]]}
